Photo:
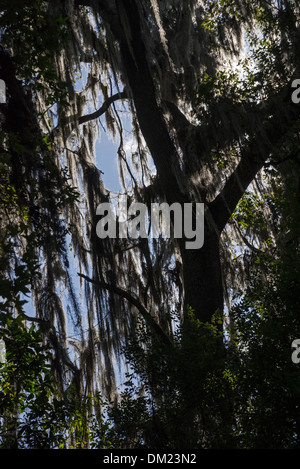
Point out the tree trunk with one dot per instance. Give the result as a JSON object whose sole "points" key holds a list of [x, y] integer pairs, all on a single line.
{"points": [[201, 267], [202, 278]]}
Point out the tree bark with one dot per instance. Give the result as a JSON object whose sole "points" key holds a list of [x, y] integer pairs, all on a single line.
{"points": [[202, 278], [201, 268]]}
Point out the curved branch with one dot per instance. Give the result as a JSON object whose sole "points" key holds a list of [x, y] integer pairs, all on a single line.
{"points": [[265, 142], [94, 115], [222, 207], [43, 322], [134, 301]]}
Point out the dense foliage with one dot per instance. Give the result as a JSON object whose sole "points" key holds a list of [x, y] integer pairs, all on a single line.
{"points": [[247, 394]]}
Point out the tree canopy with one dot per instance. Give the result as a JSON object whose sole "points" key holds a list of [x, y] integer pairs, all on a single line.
{"points": [[196, 97]]}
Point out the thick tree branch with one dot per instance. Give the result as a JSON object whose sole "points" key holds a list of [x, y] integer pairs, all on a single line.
{"points": [[135, 302], [265, 143], [224, 204]]}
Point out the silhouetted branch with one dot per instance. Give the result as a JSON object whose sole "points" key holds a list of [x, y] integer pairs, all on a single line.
{"points": [[103, 108], [134, 301]]}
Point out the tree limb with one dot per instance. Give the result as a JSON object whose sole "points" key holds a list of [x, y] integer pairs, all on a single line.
{"points": [[94, 115], [224, 204], [263, 144], [44, 322], [134, 301]]}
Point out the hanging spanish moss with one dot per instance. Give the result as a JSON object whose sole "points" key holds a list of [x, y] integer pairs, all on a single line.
{"points": [[180, 73]]}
